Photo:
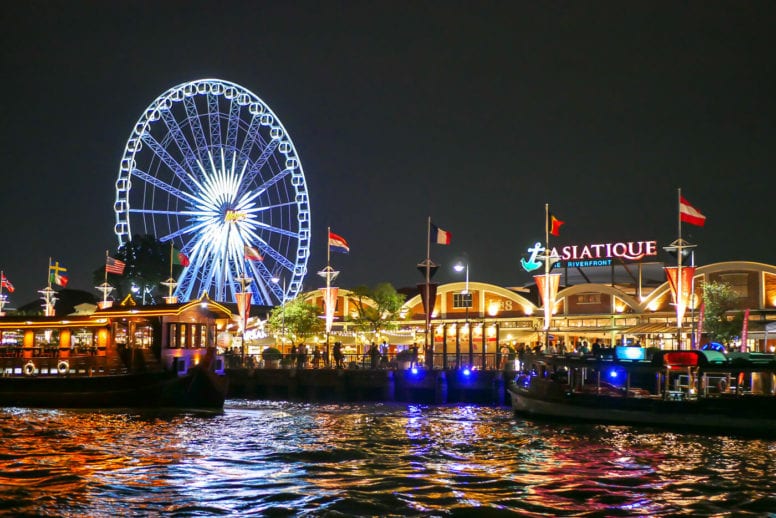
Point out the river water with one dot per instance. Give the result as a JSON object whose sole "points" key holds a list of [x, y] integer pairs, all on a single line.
{"points": [[261, 458]]}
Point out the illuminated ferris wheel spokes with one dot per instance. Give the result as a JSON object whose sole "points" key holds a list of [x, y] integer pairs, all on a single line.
{"points": [[210, 168]]}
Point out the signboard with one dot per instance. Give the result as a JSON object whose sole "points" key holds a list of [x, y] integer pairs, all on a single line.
{"points": [[599, 254]]}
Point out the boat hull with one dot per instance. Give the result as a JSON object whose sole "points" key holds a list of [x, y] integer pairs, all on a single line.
{"points": [[199, 388], [745, 414]]}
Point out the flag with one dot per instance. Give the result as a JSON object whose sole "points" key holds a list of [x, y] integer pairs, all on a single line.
{"points": [[689, 214], [338, 244], [5, 283], [114, 265], [555, 225], [439, 236], [252, 254], [57, 274], [180, 258]]}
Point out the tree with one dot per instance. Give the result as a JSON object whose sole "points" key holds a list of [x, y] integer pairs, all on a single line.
{"points": [[147, 264], [377, 309], [719, 299], [295, 319]]}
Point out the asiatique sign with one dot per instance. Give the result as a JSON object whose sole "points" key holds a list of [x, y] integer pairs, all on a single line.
{"points": [[599, 254]]}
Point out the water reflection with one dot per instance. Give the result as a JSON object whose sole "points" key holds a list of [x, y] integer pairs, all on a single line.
{"points": [[375, 459]]}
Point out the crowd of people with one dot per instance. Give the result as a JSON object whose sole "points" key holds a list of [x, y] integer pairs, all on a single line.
{"points": [[375, 356], [383, 356]]}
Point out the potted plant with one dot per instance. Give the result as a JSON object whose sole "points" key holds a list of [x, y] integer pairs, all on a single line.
{"points": [[271, 357]]}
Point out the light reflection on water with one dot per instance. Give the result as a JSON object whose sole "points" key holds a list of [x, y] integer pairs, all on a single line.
{"points": [[259, 458]]}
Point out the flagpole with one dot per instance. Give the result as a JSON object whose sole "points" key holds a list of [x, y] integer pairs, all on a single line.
{"points": [[328, 304], [679, 251], [428, 295], [2, 297], [546, 274], [48, 294], [328, 287], [170, 282], [105, 282]]}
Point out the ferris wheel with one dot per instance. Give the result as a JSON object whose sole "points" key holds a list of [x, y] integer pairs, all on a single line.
{"points": [[211, 169]]}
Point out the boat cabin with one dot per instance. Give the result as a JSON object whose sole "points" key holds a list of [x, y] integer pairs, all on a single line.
{"points": [[115, 340]]}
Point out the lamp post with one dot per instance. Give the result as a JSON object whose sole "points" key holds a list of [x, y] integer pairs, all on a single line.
{"points": [[467, 302], [459, 267]]}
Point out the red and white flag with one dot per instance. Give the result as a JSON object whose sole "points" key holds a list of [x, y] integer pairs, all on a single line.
{"points": [[689, 214], [5, 283]]}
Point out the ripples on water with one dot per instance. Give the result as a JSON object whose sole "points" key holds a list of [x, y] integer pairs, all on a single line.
{"points": [[277, 459]]}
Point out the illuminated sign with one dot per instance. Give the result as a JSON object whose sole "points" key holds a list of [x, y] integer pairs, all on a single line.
{"points": [[600, 254], [532, 264]]}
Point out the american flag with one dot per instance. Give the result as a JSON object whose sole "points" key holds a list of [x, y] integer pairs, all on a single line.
{"points": [[114, 266]]}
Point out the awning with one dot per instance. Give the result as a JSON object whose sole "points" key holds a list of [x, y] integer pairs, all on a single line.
{"points": [[650, 328]]}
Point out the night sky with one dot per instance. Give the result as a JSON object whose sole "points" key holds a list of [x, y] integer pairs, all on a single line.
{"points": [[473, 113]]}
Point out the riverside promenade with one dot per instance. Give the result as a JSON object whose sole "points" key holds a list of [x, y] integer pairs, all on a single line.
{"points": [[421, 385]]}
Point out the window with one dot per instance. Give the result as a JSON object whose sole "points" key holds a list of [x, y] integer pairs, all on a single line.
{"points": [[173, 336], [739, 282], [589, 298], [462, 300]]}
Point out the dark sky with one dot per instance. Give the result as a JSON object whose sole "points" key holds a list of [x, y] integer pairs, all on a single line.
{"points": [[473, 113]]}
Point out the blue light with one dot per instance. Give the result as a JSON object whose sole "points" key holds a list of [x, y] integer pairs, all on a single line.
{"points": [[613, 374], [466, 372], [414, 370]]}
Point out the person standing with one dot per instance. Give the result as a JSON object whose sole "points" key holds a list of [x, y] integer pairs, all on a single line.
{"points": [[374, 356], [338, 355], [316, 357]]}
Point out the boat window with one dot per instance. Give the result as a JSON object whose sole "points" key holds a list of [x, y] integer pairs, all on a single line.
{"points": [[144, 336], [173, 336], [82, 341], [121, 334], [183, 335]]}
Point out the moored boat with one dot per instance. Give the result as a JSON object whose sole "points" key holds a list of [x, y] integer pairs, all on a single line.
{"points": [[123, 356], [698, 390]]}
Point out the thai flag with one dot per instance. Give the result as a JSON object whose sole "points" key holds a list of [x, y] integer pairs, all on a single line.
{"points": [[338, 244]]}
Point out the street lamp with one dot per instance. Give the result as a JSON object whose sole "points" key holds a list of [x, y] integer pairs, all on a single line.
{"points": [[459, 267], [466, 300]]}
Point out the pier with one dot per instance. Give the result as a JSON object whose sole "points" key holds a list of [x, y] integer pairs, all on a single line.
{"points": [[425, 386]]}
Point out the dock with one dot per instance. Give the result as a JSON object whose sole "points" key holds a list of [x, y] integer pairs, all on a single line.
{"points": [[423, 386]]}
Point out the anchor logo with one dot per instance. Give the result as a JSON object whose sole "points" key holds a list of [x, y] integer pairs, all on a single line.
{"points": [[532, 264]]}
